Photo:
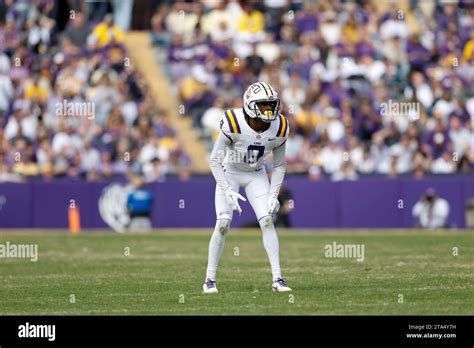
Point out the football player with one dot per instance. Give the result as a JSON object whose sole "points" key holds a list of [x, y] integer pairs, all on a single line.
{"points": [[247, 136]]}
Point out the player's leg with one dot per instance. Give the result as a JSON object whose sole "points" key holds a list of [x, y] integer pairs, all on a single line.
{"points": [[216, 245], [257, 194]]}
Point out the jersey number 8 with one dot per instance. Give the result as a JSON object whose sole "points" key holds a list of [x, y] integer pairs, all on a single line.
{"points": [[254, 153]]}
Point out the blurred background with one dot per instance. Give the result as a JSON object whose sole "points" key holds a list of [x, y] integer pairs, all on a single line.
{"points": [[379, 96]]}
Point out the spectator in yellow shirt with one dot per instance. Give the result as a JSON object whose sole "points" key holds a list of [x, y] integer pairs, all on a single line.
{"points": [[468, 51], [36, 92], [107, 32], [26, 167], [351, 30], [251, 24], [192, 88], [307, 119]]}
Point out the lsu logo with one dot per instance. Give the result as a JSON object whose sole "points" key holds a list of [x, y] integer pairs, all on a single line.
{"points": [[113, 206]]}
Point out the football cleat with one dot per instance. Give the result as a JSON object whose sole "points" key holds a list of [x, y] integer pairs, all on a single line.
{"points": [[209, 287], [280, 285]]}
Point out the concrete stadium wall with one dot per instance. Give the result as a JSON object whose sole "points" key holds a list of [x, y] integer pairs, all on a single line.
{"points": [[366, 203]]}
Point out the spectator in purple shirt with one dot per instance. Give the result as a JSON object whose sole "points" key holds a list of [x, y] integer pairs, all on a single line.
{"points": [[418, 55], [367, 122], [438, 141]]}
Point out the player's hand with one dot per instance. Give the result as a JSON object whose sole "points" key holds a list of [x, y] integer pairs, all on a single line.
{"points": [[273, 205], [233, 199]]}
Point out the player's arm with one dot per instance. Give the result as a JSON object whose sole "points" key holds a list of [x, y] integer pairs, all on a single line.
{"points": [[224, 140], [216, 159], [278, 174]]}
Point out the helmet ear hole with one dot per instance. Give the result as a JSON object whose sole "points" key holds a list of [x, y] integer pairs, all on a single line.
{"points": [[253, 108]]}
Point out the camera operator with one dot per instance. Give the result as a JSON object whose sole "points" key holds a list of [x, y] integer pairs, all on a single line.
{"points": [[431, 210]]}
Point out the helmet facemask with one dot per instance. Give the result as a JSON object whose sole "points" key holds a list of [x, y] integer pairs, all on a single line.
{"points": [[266, 110]]}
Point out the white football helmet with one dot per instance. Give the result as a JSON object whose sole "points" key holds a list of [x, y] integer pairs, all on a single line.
{"points": [[261, 93]]}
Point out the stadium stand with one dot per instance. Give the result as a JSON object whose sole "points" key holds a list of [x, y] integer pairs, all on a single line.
{"points": [[142, 54], [71, 104], [370, 88]]}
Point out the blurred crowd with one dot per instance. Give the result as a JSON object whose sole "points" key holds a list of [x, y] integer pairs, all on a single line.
{"points": [[71, 103], [345, 70]]}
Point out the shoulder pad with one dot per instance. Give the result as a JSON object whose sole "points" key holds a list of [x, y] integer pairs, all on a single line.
{"points": [[229, 122]]}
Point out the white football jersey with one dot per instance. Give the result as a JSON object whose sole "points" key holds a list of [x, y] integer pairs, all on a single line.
{"points": [[246, 149]]}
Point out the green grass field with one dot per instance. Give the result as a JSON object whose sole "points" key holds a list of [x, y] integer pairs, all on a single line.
{"points": [[164, 272]]}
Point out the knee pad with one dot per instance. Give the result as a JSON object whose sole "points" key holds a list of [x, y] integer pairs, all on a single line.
{"points": [[266, 221], [223, 226]]}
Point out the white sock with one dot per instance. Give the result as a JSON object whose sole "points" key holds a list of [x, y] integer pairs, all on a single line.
{"points": [[270, 242], [216, 246]]}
